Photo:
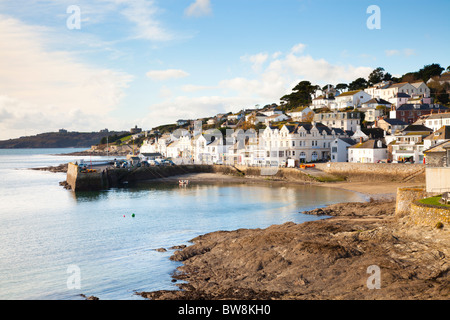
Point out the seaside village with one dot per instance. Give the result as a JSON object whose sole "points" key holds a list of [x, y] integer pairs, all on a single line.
{"points": [[388, 122]]}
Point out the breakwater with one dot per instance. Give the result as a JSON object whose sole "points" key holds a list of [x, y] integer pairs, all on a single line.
{"points": [[115, 177]]}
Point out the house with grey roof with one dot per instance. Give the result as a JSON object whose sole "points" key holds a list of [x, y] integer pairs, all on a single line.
{"points": [[339, 149], [370, 151]]}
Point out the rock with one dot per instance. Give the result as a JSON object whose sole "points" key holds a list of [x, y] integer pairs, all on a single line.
{"points": [[178, 247], [161, 250], [324, 259], [90, 297]]}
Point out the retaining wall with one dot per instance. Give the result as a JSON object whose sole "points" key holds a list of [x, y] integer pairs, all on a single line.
{"points": [[405, 197], [427, 215], [375, 171]]}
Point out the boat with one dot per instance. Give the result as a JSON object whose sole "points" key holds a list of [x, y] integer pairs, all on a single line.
{"points": [[183, 182]]}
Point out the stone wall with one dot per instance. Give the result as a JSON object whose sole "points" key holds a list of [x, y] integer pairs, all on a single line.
{"points": [[84, 181], [376, 171], [408, 204], [405, 197], [72, 173], [427, 215]]}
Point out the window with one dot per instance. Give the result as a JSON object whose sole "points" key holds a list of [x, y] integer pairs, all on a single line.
{"points": [[293, 143]]}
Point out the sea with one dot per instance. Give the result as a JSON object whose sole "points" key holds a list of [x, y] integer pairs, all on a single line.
{"points": [[56, 244]]}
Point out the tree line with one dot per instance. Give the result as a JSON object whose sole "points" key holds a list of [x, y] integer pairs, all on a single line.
{"points": [[302, 93]]}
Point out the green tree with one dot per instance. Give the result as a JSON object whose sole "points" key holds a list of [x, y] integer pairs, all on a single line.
{"points": [[430, 71], [341, 86], [358, 84], [376, 76], [301, 95]]}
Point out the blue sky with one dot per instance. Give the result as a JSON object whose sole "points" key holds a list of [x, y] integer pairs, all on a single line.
{"points": [[151, 62]]}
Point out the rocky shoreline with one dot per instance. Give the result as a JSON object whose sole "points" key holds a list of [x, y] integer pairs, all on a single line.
{"points": [[318, 260]]}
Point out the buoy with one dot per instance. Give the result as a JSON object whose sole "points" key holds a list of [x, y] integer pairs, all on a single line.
{"points": [[124, 216], [132, 215]]}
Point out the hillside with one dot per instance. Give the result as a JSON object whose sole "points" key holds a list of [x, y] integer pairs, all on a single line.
{"points": [[57, 140]]}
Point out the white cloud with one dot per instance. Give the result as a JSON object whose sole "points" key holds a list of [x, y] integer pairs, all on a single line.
{"points": [[405, 52], [257, 60], [46, 90], [392, 52], [298, 48], [194, 88], [143, 14], [199, 8], [409, 52], [167, 74]]}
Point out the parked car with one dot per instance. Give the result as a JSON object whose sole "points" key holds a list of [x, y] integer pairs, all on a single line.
{"points": [[153, 162]]}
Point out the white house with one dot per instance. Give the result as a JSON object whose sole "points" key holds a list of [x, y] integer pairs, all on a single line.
{"points": [[370, 151], [399, 99], [271, 111], [435, 121], [352, 99], [275, 118], [301, 114], [255, 117], [303, 142], [421, 88], [437, 137], [408, 144], [323, 101], [375, 102], [339, 149], [347, 121]]}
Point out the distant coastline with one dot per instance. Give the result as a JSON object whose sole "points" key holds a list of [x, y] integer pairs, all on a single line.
{"points": [[62, 139]]}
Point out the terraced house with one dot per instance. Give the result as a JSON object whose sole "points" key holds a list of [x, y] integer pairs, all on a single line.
{"points": [[301, 141], [347, 121]]}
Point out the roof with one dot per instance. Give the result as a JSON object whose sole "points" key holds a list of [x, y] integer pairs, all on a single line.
{"points": [[274, 116], [321, 97], [349, 93], [395, 122], [376, 100], [417, 128], [298, 109], [370, 144], [424, 106], [441, 134], [373, 133], [397, 85], [440, 147], [349, 141], [402, 95], [438, 116]]}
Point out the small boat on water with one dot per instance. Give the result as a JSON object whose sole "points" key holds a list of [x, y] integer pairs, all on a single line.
{"points": [[183, 182]]}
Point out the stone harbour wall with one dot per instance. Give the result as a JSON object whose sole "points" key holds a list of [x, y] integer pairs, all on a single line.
{"points": [[408, 204], [376, 171], [427, 215]]}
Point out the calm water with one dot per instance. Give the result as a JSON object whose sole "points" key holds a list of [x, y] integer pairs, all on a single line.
{"points": [[44, 228]]}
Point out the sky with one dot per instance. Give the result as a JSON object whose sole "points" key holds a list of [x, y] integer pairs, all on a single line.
{"points": [[89, 65]]}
